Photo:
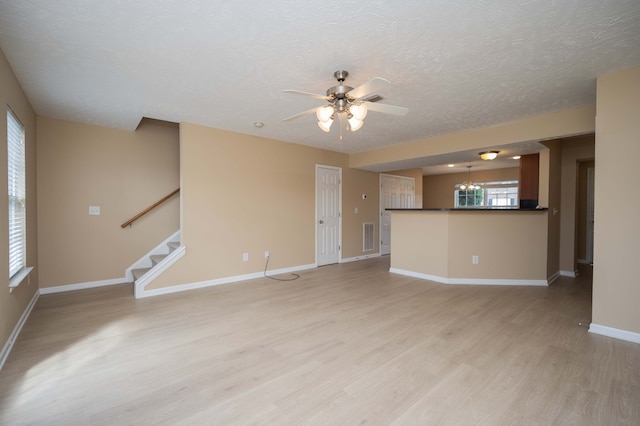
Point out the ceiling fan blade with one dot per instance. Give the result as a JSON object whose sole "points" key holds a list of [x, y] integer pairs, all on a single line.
{"points": [[368, 88], [313, 95], [387, 109], [301, 114]]}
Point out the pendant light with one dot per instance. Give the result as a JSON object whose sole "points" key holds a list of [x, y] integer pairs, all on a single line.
{"points": [[468, 185]]}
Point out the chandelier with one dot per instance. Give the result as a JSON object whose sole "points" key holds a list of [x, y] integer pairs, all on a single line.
{"points": [[468, 185]]}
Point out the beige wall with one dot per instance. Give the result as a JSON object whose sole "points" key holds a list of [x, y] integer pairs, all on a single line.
{"points": [[541, 127], [438, 190], [416, 174], [245, 194], [573, 150], [123, 172], [442, 244], [420, 242], [616, 286], [12, 305]]}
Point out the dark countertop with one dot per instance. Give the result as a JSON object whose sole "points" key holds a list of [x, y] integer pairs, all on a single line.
{"points": [[475, 209]]}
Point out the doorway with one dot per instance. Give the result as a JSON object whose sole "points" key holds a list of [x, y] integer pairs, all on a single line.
{"points": [[590, 217], [584, 223]]}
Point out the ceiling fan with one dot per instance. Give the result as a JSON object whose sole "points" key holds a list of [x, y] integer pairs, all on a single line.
{"points": [[348, 103]]}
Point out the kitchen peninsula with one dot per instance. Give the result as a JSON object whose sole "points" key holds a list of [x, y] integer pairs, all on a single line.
{"points": [[500, 246]]}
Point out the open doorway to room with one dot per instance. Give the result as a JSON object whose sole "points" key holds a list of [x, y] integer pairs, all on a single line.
{"points": [[584, 211]]}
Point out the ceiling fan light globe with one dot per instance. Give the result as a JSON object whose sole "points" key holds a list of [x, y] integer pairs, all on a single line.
{"points": [[324, 113], [325, 125], [355, 124], [359, 111]]}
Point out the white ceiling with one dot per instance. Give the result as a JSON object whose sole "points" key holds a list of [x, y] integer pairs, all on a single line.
{"points": [[455, 64]]}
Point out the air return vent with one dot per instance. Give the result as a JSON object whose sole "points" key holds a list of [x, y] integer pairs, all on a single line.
{"points": [[368, 234]]}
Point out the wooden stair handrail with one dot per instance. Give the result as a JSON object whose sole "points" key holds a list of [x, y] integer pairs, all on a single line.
{"points": [[148, 209]]}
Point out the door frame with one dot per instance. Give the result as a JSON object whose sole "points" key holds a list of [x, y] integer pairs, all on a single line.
{"points": [[590, 215], [315, 213]]}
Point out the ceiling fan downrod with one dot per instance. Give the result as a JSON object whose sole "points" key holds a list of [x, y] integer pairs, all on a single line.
{"points": [[338, 93]]}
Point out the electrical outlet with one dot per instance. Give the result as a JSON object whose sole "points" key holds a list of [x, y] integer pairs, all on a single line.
{"points": [[474, 260], [94, 210], [245, 257], [266, 254]]}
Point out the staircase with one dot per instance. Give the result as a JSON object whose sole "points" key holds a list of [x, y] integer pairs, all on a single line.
{"points": [[154, 263], [155, 260]]}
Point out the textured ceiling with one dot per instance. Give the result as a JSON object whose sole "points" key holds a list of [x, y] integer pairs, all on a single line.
{"points": [[455, 64]]}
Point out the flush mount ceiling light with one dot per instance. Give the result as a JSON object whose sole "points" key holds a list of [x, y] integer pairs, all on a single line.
{"points": [[468, 185], [489, 155], [348, 104]]}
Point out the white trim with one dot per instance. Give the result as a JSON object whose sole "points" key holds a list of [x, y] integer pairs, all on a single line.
{"points": [[571, 274], [227, 280], [616, 333], [553, 277], [83, 286], [18, 278], [162, 266], [145, 261], [6, 349], [357, 258], [468, 281]]}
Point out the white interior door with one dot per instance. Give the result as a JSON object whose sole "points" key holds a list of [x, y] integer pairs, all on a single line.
{"points": [[328, 221], [396, 192]]}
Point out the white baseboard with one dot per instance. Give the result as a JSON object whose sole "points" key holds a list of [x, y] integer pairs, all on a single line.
{"points": [[616, 333], [228, 280], [553, 277], [83, 286], [357, 258], [6, 349], [570, 274], [468, 281]]}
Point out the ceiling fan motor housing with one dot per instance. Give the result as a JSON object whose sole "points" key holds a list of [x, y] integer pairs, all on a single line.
{"points": [[338, 93]]}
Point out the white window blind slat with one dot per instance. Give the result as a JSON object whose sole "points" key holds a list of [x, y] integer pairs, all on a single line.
{"points": [[17, 194]]}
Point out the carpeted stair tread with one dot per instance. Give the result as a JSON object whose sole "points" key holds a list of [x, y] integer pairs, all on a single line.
{"points": [[137, 273], [156, 258]]}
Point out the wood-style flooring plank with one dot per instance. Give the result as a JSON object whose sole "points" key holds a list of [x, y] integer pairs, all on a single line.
{"points": [[343, 344]]}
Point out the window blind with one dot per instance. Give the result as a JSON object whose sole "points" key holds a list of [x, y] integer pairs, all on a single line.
{"points": [[17, 194]]}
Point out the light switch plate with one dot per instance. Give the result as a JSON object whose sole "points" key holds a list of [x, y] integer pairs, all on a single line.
{"points": [[94, 210]]}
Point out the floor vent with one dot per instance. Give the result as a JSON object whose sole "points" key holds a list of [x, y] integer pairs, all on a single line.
{"points": [[368, 232]]}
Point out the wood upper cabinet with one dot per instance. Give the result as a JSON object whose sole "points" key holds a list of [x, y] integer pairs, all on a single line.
{"points": [[529, 177]]}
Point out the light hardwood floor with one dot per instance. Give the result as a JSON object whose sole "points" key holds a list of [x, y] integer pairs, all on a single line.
{"points": [[342, 345]]}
